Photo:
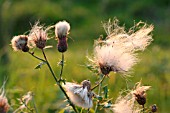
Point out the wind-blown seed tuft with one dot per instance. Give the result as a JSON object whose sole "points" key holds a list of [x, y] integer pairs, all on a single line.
{"points": [[38, 36], [118, 51], [80, 95]]}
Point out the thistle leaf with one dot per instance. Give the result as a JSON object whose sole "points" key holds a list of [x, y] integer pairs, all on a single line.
{"points": [[40, 65]]}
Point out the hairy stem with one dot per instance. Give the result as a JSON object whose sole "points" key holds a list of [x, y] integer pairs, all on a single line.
{"points": [[58, 83]]}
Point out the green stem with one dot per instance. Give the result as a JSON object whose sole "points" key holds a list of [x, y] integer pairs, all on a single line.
{"points": [[99, 91], [62, 66], [36, 56], [58, 83], [99, 82]]}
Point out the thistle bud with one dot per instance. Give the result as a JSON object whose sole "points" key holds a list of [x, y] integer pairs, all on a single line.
{"points": [[20, 43], [153, 108], [61, 31]]}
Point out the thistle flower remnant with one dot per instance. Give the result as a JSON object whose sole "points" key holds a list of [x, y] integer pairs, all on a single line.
{"points": [[20, 43], [140, 93], [117, 52], [38, 36], [80, 95], [61, 31], [114, 58], [125, 104], [4, 106]]}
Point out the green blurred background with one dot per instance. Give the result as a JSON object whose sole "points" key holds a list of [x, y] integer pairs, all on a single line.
{"points": [[85, 16]]}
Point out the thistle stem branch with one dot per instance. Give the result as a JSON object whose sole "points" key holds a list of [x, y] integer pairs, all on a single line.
{"points": [[58, 83], [36, 56], [62, 66], [99, 91], [99, 82]]}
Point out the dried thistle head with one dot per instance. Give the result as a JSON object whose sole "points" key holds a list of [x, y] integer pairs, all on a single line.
{"points": [[140, 93], [4, 106], [20, 43], [154, 108], [38, 36], [61, 31], [125, 104], [117, 52], [86, 83], [80, 94], [113, 58]]}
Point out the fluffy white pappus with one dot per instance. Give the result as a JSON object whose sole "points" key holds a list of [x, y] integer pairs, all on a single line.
{"points": [[62, 29], [125, 105], [19, 42], [79, 96], [141, 38], [38, 36], [115, 57], [136, 39]]}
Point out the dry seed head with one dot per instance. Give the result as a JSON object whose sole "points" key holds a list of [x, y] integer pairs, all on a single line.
{"points": [[80, 95], [154, 108], [125, 104], [38, 36], [62, 29], [4, 106], [113, 58], [140, 93], [20, 43]]}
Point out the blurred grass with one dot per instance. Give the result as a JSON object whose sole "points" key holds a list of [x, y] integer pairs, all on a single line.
{"points": [[85, 18]]}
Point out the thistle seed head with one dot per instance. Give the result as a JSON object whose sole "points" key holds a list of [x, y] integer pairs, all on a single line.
{"points": [[20, 43]]}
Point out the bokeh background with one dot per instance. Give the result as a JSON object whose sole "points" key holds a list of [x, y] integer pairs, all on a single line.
{"points": [[85, 16]]}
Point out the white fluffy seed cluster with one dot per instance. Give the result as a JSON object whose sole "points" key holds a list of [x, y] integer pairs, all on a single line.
{"points": [[79, 96], [62, 29], [118, 51], [126, 104]]}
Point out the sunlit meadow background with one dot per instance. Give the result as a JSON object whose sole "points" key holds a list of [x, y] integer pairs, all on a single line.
{"points": [[16, 17]]}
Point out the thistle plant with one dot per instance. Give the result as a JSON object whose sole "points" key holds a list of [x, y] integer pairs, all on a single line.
{"points": [[117, 52]]}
